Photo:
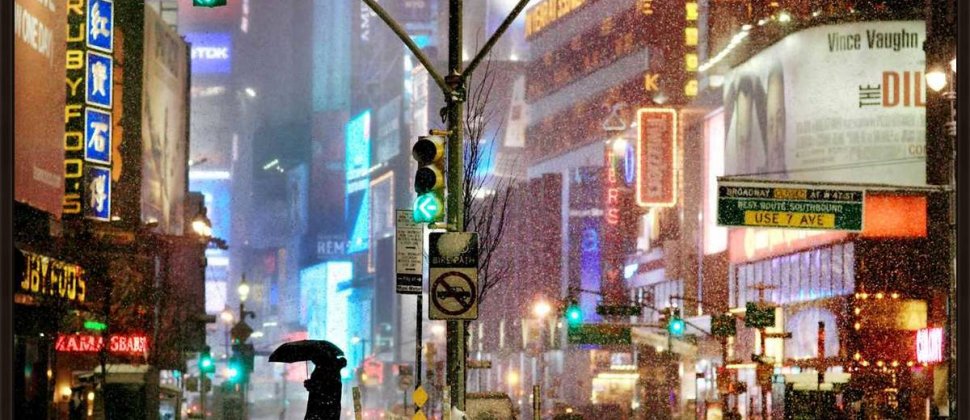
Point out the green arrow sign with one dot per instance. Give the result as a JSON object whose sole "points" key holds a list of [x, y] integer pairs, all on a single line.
{"points": [[427, 208]]}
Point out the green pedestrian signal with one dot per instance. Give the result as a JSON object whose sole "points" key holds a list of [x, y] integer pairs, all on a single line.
{"points": [[429, 180], [208, 3]]}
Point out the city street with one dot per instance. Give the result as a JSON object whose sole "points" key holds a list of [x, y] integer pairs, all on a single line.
{"points": [[491, 209]]}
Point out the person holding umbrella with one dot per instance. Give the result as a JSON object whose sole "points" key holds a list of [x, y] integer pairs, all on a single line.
{"points": [[324, 384]]}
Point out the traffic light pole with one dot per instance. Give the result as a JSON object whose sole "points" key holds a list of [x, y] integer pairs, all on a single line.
{"points": [[453, 87]]}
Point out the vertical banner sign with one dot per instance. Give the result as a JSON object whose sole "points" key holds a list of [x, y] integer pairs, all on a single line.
{"points": [[453, 275], [656, 156], [409, 246], [88, 135]]}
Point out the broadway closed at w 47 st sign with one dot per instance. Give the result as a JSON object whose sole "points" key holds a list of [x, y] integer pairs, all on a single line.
{"points": [[781, 205]]}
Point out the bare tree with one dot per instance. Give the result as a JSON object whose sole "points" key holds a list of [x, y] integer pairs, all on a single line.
{"points": [[485, 195]]}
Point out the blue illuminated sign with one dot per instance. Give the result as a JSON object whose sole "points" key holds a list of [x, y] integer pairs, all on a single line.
{"points": [[100, 25], [211, 52], [98, 70], [97, 181], [358, 139], [97, 136]]}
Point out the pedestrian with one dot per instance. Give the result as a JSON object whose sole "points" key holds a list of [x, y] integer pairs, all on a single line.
{"points": [[325, 389]]}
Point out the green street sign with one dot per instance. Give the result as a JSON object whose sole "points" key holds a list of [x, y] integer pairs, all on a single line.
{"points": [[427, 207], [95, 325], [601, 334], [793, 206]]}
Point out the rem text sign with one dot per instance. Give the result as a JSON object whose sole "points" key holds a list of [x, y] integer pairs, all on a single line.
{"points": [[795, 206]]}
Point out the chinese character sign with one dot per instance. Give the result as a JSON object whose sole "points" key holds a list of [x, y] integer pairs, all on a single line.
{"points": [[97, 136], [98, 74], [98, 190], [100, 25]]}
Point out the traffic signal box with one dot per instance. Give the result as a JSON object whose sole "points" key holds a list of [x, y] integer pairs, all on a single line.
{"points": [[206, 364], [675, 324], [759, 316], [429, 180], [208, 3], [573, 313], [723, 326]]}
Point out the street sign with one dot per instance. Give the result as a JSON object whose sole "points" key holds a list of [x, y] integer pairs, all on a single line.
{"points": [[409, 246], [784, 205], [453, 275], [479, 364], [419, 396], [619, 310], [602, 334]]}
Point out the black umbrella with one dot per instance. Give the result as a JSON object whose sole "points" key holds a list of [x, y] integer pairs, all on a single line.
{"points": [[318, 351]]}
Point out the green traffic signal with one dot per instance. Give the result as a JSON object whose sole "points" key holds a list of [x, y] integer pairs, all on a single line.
{"points": [[676, 326], [206, 365], [574, 315], [427, 208], [208, 3], [429, 180]]}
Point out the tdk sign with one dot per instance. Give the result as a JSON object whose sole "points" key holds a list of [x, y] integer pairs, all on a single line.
{"points": [[211, 52]]}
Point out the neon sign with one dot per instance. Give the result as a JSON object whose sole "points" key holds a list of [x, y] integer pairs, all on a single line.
{"points": [[929, 345], [132, 344], [211, 52], [656, 152]]}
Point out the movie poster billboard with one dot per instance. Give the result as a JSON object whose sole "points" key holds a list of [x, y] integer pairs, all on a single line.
{"points": [[164, 125], [835, 103], [39, 72]]}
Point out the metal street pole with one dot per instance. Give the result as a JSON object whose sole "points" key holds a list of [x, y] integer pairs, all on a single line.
{"points": [[453, 87]]}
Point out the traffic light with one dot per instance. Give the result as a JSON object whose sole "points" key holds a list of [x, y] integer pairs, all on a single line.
{"points": [[208, 3], [236, 372], [206, 365], [759, 316], [574, 315], [723, 325], [676, 325], [429, 180]]}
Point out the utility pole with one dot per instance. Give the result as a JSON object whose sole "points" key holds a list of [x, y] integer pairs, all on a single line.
{"points": [[453, 86]]}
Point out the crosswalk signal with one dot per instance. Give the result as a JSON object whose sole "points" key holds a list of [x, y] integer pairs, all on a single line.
{"points": [[429, 180], [208, 3]]}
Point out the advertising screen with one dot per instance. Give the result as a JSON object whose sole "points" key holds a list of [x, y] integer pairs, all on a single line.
{"points": [[838, 103], [358, 182], [211, 52], [39, 71], [164, 125]]}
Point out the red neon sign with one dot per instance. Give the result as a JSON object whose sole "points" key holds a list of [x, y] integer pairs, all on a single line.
{"points": [[929, 345], [656, 152], [118, 343]]}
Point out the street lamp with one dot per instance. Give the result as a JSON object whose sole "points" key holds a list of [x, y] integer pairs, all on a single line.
{"points": [[243, 289], [936, 79], [541, 309], [202, 225]]}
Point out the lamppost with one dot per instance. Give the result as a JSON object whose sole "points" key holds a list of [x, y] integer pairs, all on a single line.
{"points": [[227, 317], [541, 309]]}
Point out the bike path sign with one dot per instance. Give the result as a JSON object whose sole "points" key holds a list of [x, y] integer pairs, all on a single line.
{"points": [[453, 275], [784, 205]]}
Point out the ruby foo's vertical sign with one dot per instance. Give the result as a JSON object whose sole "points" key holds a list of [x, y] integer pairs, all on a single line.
{"points": [[656, 153], [87, 111]]}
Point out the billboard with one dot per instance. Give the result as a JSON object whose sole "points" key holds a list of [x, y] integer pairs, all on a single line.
{"points": [[324, 302], [357, 167], [164, 125], [656, 155], [39, 63], [211, 52], [835, 103]]}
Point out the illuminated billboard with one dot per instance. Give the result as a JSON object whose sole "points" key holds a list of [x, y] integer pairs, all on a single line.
{"points": [[39, 54], [324, 302], [211, 52], [656, 156], [164, 116], [834, 103], [357, 167]]}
